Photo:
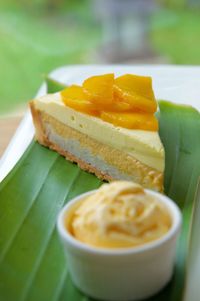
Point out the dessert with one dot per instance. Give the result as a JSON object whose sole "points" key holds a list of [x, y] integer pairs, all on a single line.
{"points": [[120, 241], [119, 215], [107, 126]]}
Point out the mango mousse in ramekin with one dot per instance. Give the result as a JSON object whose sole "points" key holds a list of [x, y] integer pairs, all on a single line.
{"points": [[120, 241]]}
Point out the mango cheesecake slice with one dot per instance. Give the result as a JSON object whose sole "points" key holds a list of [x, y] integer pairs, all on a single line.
{"points": [[107, 126]]}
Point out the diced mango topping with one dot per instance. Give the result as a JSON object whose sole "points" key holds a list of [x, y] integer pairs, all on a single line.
{"points": [[127, 101]]}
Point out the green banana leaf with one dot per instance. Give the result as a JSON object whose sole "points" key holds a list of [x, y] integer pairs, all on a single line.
{"points": [[32, 262], [53, 86]]}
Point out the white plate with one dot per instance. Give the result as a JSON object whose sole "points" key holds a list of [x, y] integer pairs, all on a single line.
{"points": [[178, 84]]}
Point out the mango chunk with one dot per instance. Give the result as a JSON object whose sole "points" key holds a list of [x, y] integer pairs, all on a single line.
{"points": [[75, 98], [141, 85], [99, 89], [136, 102], [139, 121], [137, 91], [116, 106]]}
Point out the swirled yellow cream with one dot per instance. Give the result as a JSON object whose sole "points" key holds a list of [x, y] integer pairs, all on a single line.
{"points": [[119, 215]]}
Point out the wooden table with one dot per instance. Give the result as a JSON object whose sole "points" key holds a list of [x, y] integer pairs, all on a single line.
{"points": [[8, 126]]}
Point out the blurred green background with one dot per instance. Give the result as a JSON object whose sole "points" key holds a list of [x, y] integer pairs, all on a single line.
{"points": [[39, 35]]}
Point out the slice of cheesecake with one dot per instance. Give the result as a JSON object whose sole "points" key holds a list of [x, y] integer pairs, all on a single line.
{"points": [[101, 147]]}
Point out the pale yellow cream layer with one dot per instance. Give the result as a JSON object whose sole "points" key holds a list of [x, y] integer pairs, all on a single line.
{"points": [[143, 145], [119, 215]]}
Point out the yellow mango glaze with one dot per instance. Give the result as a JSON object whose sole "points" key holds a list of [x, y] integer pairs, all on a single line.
{"points": [[127, 101], [119, 215]]}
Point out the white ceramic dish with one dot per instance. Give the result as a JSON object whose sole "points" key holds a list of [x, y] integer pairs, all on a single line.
{"points": [[178, 84], [121, 274]]}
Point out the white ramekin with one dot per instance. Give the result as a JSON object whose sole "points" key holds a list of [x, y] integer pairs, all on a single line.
{"points": [[121, 274]]}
